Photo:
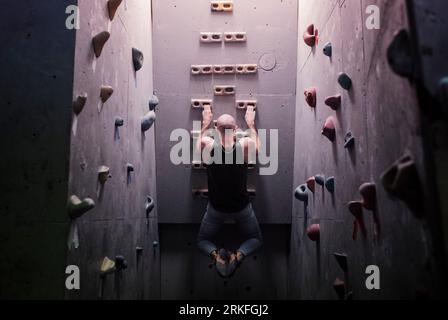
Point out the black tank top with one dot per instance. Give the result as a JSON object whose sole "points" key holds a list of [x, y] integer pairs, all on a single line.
{"points": [[227, 183]]}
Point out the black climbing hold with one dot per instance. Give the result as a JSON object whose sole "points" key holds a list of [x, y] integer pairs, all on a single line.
{"points": [[341, 259], [320, 179], [301, 193], [349, 141], [401, 180], [329, 184], [120, 262], [139, 250], [148, 120], [149, 205], [137, 59], [153, 102], [328, 49], [129, 167], [344, 81], [400, 55], [155, 244]]}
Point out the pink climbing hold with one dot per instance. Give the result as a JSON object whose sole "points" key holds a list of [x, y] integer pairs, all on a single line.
{"points": [[339, 287], [313, 232], [311, 97], [329, 129], [334, 102], [310, 36]]}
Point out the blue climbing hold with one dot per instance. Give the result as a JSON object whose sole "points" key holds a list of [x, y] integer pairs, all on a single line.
{"points": [[349, 140], [153, 102], [137, 59], [329, 184], [328, 49], [344, 81], [301, 193], [148, 120]]}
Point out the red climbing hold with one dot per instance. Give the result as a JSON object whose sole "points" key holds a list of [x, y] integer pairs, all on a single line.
{"points": [[310, 97], [329, 129], [368, 193], [334, 102], [310, 36], [313, 232], [311, 183], [339, 287], [355, 207]]}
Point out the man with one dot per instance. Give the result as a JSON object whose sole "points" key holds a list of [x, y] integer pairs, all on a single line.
{"points": [[227, 163]]}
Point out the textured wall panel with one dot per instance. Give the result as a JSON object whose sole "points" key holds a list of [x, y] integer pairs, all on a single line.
{"points": [[118, 224], [382, 112]]}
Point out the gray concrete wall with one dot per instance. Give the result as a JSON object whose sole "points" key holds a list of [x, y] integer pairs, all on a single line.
{"points": [[36, 85], [117, 225], [382, 112]]}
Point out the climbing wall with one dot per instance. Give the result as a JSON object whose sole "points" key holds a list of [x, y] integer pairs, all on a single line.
{"points": [[36, 85], [381, 111], [270, 42], [267, 34], [109, 134]]}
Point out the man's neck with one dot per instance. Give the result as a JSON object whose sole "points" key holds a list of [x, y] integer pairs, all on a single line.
{"points": [[228, 144]]}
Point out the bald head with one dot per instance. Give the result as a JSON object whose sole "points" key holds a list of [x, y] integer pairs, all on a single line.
{"points": [[226, 121]]}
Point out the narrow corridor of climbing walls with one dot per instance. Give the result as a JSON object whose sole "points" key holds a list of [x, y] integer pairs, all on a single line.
{"points": [[101, 201]]}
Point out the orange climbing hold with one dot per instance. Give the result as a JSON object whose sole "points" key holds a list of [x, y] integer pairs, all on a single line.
{"points": [[99, 41], [106, 93], [112, 6], [79, 103]]}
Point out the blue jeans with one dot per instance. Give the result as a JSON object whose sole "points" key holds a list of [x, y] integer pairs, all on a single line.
{"points": [[246, 222]]}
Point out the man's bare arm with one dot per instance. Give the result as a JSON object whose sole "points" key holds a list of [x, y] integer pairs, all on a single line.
{"points": [[251, 143], [207, 119]]}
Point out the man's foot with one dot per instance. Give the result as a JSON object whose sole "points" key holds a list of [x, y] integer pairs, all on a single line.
{"points": [[221, 262], [235, 261]]}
